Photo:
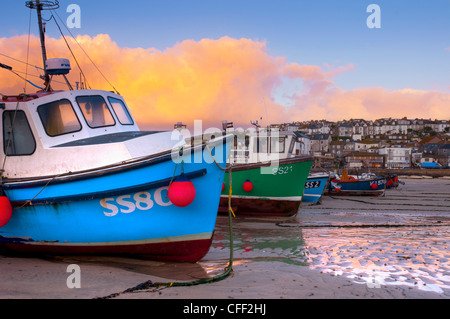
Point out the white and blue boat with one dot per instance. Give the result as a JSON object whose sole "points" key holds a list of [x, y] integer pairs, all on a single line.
{"points": [[315, 186], [83, 179], [369, 184]]}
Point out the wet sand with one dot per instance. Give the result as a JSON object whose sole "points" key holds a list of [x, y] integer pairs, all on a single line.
{"points": [[391, 247]]}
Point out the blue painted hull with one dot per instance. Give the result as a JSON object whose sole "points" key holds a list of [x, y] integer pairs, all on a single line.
{"points": [[314, 189], [373, 186], [118, 210]]}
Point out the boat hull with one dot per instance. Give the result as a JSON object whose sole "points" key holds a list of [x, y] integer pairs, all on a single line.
{"points": [[121, 209], [392, 181], [170, 249], [370, 187], [314, 188], [277, 190]]}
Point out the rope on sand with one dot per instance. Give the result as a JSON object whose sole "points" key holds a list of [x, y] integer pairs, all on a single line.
{"points": [[149, 284]]}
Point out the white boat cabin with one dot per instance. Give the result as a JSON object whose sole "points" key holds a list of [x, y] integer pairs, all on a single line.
{"points": [[47, 134], [263, 146]]}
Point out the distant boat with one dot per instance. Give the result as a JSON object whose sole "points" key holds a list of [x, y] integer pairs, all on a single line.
{"points": [[268, 177], [348, 185], [81, 178], [315, 186], [392, 181]]}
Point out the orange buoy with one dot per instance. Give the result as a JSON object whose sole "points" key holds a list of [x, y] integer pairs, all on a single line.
{"points": [[5, 210], [248, 186], [182, 191]]}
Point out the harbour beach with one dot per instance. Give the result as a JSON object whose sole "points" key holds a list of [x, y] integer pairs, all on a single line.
{"points": [[390, 247], [102, 200]]}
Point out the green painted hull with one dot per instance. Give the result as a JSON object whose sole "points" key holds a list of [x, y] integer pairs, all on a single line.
{"points": [[277, 190]]}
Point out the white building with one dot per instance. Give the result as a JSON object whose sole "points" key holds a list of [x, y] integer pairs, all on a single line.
{"points": [[304, 147], [396, 157]]}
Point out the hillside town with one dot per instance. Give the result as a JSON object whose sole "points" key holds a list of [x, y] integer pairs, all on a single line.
{"points": [[382, 143]]}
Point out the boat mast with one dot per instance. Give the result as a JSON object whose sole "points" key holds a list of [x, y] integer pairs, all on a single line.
{"points": [[39, 6], [42, 35]]}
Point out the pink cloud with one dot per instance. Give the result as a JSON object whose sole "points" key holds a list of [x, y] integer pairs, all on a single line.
{"points": [[223, 79]]}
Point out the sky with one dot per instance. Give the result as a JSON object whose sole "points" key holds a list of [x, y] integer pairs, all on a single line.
{"points": [[276, 61]]}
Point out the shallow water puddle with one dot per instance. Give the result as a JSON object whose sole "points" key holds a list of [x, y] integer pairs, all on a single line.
{"points": [[381, 256], [412, 256]]}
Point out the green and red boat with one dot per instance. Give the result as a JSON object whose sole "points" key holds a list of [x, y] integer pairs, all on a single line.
{"points": [[268, 175]]}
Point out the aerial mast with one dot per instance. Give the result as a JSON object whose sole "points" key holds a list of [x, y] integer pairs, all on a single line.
{"points": [[40, 5]]}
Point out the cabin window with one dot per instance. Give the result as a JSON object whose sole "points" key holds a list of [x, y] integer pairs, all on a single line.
{"points": [[277, 144], [121, 111], [95, 111], [261, 145], [17, 136], [59, 118], [292, 145]]}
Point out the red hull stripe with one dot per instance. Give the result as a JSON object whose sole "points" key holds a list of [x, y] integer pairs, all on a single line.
{"points": [[181, 251]]}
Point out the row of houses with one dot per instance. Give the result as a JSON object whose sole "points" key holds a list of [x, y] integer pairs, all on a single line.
{"points": [[376, 153], [348, 128], [394, 144]]}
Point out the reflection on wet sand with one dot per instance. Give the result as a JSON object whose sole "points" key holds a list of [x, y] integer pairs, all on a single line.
{"points": [[380, 256], [413, 256], [400, 239], [258, 240]]}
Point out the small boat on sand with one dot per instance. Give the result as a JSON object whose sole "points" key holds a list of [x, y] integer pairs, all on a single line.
{"points": [[392, 181], [349, 185]]}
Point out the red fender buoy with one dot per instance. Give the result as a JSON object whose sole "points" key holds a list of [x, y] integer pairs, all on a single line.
{"points": [[181, 192], [374, 186], [5, 210], [248, 186]]}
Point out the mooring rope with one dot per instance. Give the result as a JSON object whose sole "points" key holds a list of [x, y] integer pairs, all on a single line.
{"points": [[149, 284]]}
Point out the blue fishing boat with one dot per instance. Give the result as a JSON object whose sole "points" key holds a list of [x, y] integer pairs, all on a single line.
{"points": [[79, 177], [315, 186], [349, 185]]}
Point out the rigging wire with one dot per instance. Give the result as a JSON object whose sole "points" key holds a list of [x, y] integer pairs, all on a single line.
{"points": [[71, 52], [95, 65], [28, 54], [54, 13], [38, 76], [17, 60], [9, 68], [26, 81], [11, 131]]}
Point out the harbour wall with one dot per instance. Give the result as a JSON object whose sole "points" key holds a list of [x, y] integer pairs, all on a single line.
{"points": [[431, 172]]}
